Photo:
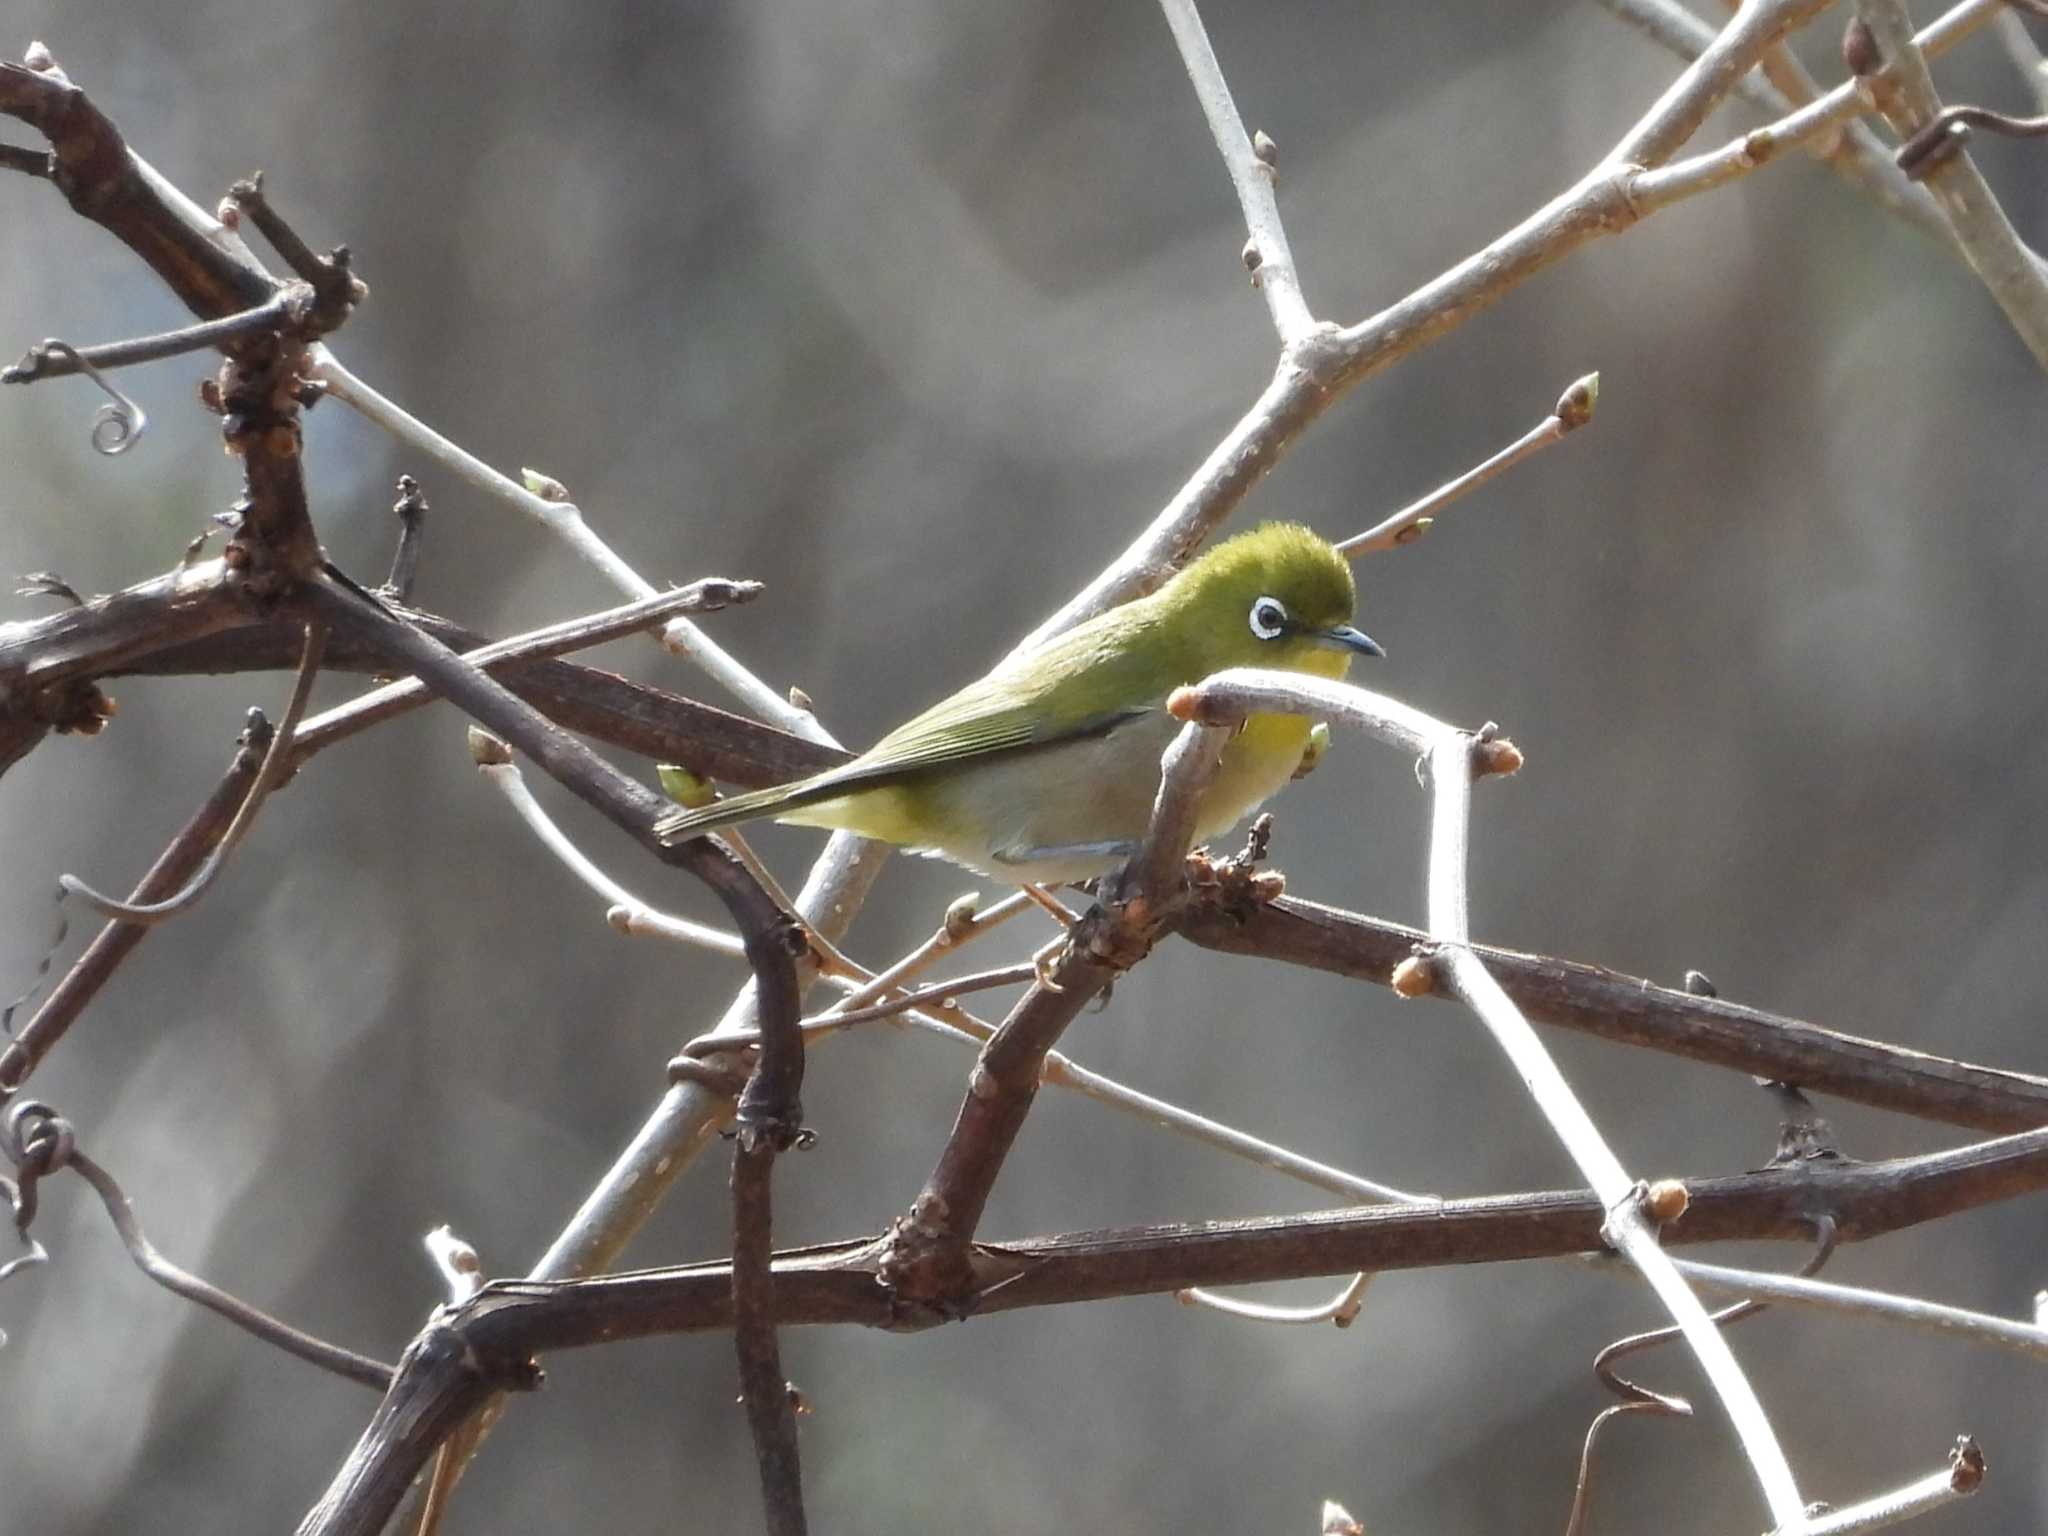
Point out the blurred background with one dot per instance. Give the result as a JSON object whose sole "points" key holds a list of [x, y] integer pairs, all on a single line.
{"points": [[917, 312]]}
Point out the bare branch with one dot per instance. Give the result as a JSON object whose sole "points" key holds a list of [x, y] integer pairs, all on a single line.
{"points": [[2029, 1339], [1252, 174], [269, 775], [769, 1120], [565, 520], [1318, 371], [194, 843], [1573, 410], [1965, 1474], [380, 704], [439, 1383], [1634, 1011], [1754, 28], [1898, 83], [56, 360], [836, 1283], [1848, 148]]}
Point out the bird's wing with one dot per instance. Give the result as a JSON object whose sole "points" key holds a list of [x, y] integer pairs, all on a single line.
{"points": [[1002, 713]]}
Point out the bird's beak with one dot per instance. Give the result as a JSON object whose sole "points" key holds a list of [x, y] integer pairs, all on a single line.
{"points": [[1345, 638]]}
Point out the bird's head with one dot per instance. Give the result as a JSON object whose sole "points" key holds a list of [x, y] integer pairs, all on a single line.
{"points": [[1276, 596]]}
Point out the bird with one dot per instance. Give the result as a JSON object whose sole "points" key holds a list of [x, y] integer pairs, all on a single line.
{"points": [[1044, 771]]}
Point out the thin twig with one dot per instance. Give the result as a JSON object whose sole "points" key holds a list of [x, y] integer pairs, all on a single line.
{"points": [[411, 511], [1315, 374], [1964, 1476], [30, 162], [55, 361], [380, 704], [272, 773], [174, 866], [1340, 1309], [841, 1016], [1064, 1072], [1678, 113], [1848, 148], [565, 520], [1638, 1399], [504, 776], [1253, 175], [1573, 410], [2025, 1338], [1676, 29]]}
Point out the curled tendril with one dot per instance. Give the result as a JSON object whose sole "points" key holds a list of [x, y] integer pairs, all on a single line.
{"points": [[118, 423], [38, 1141], [1943, 137], [37, 1253]]}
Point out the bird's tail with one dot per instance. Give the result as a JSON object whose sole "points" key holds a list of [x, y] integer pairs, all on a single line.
{"points": [[684, 823]]}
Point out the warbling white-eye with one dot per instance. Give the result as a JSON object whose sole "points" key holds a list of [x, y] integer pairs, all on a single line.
{"points": [[1046, 769]]}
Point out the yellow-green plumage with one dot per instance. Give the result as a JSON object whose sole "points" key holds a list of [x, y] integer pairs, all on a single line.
{"points": [[1045, 770]]}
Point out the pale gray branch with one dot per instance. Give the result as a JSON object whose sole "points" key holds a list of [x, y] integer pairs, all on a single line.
{"points": [[1903, 90], [1267, 253]]}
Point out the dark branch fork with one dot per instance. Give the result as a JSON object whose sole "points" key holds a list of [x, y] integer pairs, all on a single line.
{"points": [[273, 565]]}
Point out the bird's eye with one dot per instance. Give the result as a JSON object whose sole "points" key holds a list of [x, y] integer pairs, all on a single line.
{"points": [[1268, 618]]}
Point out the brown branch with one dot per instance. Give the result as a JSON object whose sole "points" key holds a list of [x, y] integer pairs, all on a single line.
{"points": [[771, 1415], [192, 846], [102, 637], [442, 1379], [45, 361], [836, 1283], [769, 1121], [269, 774], [216, 276], [509, 1321], [603, 705], [1633, 1011], [928, 1263], [356, 1501], [192, 620], [209, 270], [30, 162]]}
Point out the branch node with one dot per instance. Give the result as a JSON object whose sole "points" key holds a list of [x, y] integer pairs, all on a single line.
{"points": [[1966, 1466], [1665, 1200], [1496, 756], [1415, 976], [487, 750]]}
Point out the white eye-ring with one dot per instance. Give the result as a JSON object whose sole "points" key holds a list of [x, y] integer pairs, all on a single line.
{"points": [[1268, 618]]}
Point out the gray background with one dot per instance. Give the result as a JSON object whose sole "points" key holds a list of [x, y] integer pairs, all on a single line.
{"points": [[918, 311]]}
